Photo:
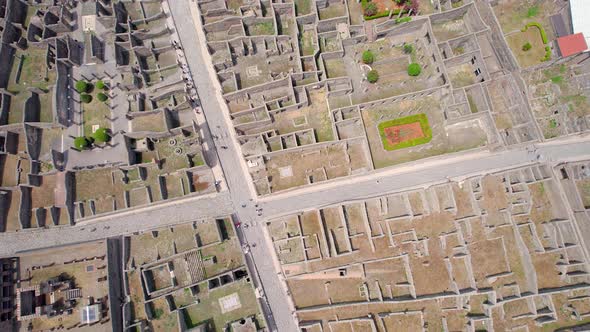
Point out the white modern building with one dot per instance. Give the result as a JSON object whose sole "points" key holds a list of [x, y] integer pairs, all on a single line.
{"points": [[580, 22]]}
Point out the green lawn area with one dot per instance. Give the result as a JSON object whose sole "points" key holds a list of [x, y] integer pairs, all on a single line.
{"points": [[426, 130]]}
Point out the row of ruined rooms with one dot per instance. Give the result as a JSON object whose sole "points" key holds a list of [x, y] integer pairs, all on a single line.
{"points": [[246, 62], [468, 312], [36, 194], [386, 245]]}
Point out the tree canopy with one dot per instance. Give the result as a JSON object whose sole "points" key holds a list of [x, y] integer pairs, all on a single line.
{"points": [[414, 69], [101, 135], [372, 76], [81, 143]]}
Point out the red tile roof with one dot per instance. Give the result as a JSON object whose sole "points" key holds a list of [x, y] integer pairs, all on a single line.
{"points": [[572, 44]]}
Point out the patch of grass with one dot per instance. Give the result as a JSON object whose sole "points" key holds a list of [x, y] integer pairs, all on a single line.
{"points": [[552, 123], [403, 19], [557, 79], [532, 11], [307, 46], [562, 68], [459, 50], [457, 4], [472, 104], [262, 28], [158, 312], [426, 130], [303, 7]]}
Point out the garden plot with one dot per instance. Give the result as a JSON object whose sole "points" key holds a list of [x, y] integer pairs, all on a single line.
{"points": [[443, 139]]}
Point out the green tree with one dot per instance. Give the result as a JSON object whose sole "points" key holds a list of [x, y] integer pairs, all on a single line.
{"points": [[372, 76], [414, 69], [368, 57], [371, 9], [81, 87], [102, 97], [527, 46], [86, 98], [81, 143], [101, 135]]}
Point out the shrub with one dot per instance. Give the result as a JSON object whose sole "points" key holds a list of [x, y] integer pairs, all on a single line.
{"points": [[86, 98], [81, 87], [414, 69], [372, 76], [368, 57], [101, 85], [101, 135], [102, 97], [371, 9], [538, 25], [81, 143], [527, 46], [547, 56], [408, 48]]}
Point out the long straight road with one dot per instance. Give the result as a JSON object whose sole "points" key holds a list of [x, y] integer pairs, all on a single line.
{"points": [[152, 217], [188, 27], [421, 174]]}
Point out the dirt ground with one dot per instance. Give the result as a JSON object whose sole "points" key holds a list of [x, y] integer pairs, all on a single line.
{"points": [[401, 133]]}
